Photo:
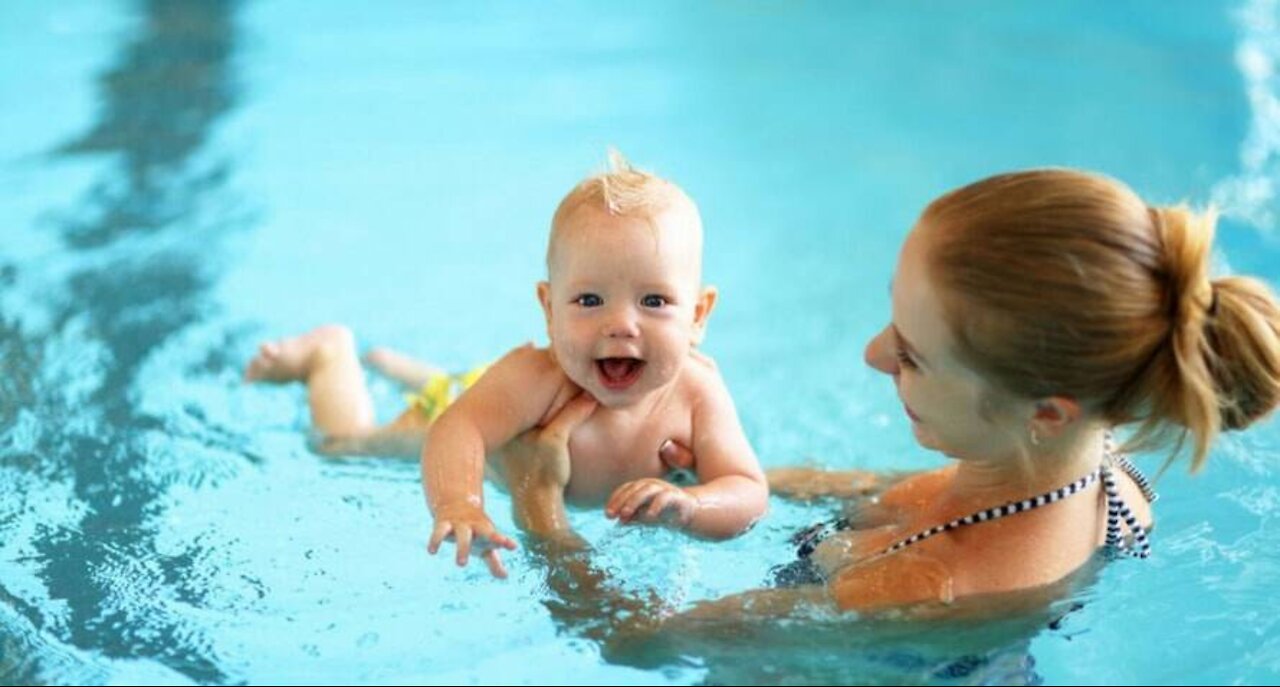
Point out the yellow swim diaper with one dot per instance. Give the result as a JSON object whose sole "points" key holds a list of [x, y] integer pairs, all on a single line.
{"points": [[442, 389]]}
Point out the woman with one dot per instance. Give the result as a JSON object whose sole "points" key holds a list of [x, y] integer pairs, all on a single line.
{"points": [[1033, 313]]}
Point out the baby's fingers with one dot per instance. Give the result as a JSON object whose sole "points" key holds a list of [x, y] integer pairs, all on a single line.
{"points": [[489, 538], [442, 530], [494, 560], [619, 498], [637, 499], [463, 534], [660, 503], [671, 507]]}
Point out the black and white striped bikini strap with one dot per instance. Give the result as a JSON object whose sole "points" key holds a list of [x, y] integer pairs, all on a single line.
{"points": [[1136, 475], [1117, 510], [999, 511], [1117, 458]]}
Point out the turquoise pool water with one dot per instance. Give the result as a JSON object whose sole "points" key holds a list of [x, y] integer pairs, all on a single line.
{"points": [[181, 180]]}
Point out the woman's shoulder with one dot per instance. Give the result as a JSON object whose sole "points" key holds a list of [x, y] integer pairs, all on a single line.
{"points": [[992, 558], [921, 574], [1031, 549], [893, 580], [917, 490]]}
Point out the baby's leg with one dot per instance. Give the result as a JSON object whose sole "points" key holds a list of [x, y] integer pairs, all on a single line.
{"points": [[403, 437], [325, 359], [413, 374]]}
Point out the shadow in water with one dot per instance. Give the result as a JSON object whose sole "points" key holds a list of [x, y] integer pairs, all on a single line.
{"points": [[145, 238]]}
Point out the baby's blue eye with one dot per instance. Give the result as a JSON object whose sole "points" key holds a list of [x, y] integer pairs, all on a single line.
{"points": [[589, 300], [654, 301]]}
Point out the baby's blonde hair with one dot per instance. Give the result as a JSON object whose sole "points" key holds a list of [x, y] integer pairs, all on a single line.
{"points": [[622, 190]]}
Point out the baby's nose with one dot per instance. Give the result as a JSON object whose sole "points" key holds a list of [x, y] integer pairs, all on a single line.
{"points": [[621, 324]]}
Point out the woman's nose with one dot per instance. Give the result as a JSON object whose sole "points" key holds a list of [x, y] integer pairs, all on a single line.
{"points": [[880, 352]]}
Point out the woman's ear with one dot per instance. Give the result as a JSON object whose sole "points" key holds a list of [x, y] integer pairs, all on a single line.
{"points": [[1052, 416]]}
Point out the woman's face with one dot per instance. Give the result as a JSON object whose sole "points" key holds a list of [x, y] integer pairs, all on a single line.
{"points": [[951, 407]]}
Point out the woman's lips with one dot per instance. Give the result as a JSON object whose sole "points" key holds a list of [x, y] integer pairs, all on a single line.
{"points": [[913, 416]]}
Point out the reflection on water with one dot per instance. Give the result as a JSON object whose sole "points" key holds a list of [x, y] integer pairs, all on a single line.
{"points": [[109, 589]]}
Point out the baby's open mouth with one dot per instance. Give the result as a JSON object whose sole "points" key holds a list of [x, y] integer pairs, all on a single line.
{"points": [[619, 373]]}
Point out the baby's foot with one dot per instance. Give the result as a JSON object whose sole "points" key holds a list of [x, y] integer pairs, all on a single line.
{"points": [[400, 367], [289, 360]]}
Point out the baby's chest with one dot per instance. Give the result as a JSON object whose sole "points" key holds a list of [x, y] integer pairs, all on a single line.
{"points": [[605, 455]]}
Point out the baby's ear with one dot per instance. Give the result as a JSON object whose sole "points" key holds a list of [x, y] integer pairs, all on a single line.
{"points": [[702, 312], [544, 297]]}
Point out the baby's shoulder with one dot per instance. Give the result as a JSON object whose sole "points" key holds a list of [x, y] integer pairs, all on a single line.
{"points": [[701, 372], [532, 370], [535, 371], [703, 388], [528, 359]]}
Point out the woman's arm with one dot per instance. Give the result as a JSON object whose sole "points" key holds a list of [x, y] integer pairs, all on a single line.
{"points": [[808, 484], [537, 466]]}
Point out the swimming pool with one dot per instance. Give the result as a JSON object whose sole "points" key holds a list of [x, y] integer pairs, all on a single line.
{"points": [[181, 180]]}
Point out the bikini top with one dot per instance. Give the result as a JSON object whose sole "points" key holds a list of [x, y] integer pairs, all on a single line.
{"points": [[1136, 543]]}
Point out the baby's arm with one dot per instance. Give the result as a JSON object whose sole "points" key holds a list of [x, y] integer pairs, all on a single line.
{"points": [[511, 397], [732, 492]]}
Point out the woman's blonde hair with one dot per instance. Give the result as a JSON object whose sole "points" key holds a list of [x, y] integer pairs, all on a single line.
{"points": [[1062, 283]]}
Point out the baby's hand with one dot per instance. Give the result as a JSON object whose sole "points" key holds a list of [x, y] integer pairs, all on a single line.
{"points": [[650, 501], [471, 528]]}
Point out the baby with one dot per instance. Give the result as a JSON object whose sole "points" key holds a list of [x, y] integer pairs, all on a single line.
{"points": [[625, 308]]}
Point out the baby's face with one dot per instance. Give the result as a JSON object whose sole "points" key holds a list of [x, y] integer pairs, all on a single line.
{"points": [[623, 305]]}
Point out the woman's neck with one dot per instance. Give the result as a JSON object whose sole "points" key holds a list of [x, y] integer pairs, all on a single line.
{"points": [[984, 483]]}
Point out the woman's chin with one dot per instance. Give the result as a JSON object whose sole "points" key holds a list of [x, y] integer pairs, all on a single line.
{"points": [[923, 436]]}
